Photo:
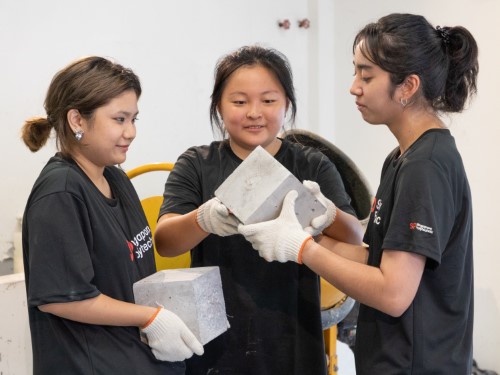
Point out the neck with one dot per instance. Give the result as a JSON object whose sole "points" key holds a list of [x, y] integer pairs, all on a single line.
{"points": [[412, 126], [95, 174]]}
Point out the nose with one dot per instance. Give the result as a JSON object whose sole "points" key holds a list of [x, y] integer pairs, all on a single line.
{"points": [[254, 112], [355, 89], [129, 131]]}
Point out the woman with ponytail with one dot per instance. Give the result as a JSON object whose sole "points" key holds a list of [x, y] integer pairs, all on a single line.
{"points": [[414, 277]]}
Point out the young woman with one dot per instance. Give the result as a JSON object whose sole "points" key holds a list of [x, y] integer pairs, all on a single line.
{"points": [[86, 239], [273, 308], [414, 280]]}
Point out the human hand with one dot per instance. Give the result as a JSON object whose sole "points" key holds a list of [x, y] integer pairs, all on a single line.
{"points": [[214, 217], [323, 221], [169, 338], [281, 239]]}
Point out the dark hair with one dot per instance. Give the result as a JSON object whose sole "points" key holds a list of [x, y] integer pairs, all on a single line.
{"points": [[85, 85], [444, 58], [269, 58]]}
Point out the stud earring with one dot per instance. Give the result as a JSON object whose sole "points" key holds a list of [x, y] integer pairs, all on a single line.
{"points": [[79, 135]]}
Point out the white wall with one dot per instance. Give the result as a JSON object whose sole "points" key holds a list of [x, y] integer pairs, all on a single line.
{"points": [[173, 47]]}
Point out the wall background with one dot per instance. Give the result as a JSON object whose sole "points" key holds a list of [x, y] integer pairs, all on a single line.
{"points": [[173, 47]]}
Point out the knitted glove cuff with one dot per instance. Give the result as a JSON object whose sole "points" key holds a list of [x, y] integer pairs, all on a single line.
{"points": [[203, 219], [293, 245], [157, 327]]}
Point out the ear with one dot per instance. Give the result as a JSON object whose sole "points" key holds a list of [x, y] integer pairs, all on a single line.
{"points": [[410, 86], [75, 120]]}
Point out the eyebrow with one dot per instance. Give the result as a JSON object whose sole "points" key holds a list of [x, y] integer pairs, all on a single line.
{"points": [[244, 93], [362, 66], [126, 113]]}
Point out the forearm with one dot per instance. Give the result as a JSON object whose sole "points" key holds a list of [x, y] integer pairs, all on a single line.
{"points": [[356, 253], [357, 280], [345, 228], [389, 288], [177, 234], [101, 310]]}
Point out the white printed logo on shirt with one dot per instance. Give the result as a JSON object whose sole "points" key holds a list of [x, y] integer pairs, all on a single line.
{"points": [[421, 228], [140, 244]]}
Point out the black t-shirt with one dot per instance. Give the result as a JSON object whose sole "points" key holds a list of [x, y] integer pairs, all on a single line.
{"points": [[273, 308], [78, 244], [423, 206]]}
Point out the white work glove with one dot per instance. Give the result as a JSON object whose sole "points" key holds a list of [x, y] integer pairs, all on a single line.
{"points": [[169, 338], [323, 221], [214, 217], [281, 239]]}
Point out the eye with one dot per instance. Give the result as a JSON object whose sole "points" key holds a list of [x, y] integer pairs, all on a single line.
{"points": [[366, 79], [238, 102], [269, 101], [134, 120], [120, 119]]}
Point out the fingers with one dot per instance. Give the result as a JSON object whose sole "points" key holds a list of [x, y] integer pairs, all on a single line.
{"points": [[192, 342], [221, 209], [312, 186], [311, 230], [289, 203], [319, 221], [247, 230]]}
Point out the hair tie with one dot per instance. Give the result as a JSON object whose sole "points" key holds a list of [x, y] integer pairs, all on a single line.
{"points": [[50, 121], [443, 34]]}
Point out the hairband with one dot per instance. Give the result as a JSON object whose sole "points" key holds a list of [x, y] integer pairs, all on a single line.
{"points": [[444, 34]]}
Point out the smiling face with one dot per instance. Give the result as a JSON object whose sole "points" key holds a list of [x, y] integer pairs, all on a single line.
{"points": [[372, 88], [253, 107], [109, 133]]}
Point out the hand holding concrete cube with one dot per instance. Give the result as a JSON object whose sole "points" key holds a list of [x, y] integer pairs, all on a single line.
{"points": [[170, 339], [214, 217], [192, 294], [323, 221], [281, 239], [254, 192]]}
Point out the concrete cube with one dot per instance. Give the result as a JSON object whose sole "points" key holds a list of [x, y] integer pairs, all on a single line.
{"points": [[194, 294], [254, 192]]}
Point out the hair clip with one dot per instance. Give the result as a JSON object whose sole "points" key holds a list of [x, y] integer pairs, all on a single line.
{"points": [[443, 34]]}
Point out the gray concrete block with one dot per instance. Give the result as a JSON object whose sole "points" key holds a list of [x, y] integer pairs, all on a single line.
{"points": [[254, 192], [194, 294]]}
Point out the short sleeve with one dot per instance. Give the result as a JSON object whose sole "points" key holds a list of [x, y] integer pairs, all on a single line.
{"points": [[182, 192], [423, 211], [59, 237], [332, 186]]}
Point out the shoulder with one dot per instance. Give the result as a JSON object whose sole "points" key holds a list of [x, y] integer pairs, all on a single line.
{"points": [[435, 147], [201, 153], [59, 175], [299, 153], [59, 178], [203, 158]]}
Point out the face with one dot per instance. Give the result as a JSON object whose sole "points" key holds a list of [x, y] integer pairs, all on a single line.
{"points": [[108, 135], [372, 88], [253, 107]]}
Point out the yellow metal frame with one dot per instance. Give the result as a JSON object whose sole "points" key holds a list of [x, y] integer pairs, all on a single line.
{"points": [[330, 296], [151, 206], [152, 167]]}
